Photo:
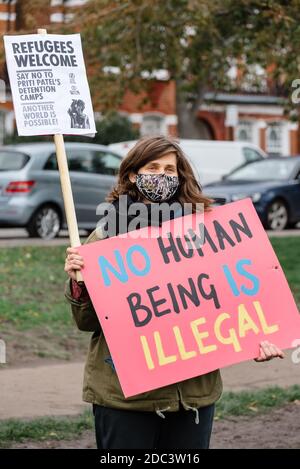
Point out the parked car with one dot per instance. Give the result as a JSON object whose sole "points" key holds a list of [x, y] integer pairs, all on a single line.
{"points": [[30, 191], [272, 184], [211, 159]]}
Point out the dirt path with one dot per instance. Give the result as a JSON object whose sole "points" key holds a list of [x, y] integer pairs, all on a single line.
{"points": [[41, 390], [277, 429], [55, 389]]}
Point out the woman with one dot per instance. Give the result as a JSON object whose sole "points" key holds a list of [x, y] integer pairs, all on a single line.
{"points": [[179, 415]]}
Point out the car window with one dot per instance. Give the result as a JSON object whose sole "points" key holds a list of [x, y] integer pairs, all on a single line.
{"points": [[51, 163], [267, 169], [100, 162], [105, 163], [80, 160], [12, 161], [251, 155]]}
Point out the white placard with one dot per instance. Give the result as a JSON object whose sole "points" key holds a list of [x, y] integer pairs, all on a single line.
{"points": [[49, 84]]}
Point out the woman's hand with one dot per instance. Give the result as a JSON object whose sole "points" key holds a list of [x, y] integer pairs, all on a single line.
{"points": [[73, 262], [267, 351]]}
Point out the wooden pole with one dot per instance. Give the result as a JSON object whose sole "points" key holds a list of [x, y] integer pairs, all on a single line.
{"points": [[66, 188]]}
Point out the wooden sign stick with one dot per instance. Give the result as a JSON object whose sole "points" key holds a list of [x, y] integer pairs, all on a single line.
{"points": [[66, 188]]}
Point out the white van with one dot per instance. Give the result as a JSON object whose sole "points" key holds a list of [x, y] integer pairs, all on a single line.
{"points": [[211, 159]]}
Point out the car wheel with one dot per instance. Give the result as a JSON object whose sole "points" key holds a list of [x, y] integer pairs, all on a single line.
{"points": [[45, 223], [277, 216]]}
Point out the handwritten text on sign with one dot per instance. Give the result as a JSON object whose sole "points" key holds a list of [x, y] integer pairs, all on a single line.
{"points": [[174, 308], [49, 84]]}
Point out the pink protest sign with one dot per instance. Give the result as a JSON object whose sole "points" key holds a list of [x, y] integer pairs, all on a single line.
{"points": [[174, 307]]}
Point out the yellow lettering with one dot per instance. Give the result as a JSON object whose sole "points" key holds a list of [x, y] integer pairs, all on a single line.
{"points": [[184, 355], [162, 358], [245, 322], [199, 336], [266, 329], [232, 338], [147, 352]]}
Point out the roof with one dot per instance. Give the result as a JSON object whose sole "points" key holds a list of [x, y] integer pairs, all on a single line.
{"points": [[243, 98]]}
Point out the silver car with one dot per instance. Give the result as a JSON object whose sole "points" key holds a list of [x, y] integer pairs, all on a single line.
{"points": [[30, 192]]}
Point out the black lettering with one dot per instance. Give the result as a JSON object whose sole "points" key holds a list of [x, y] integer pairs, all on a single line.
{"points": [[23, 46], [166, 249], [39, 46], [65, 61], [57, 47], [221, 234], [212, 294], [173, 298], [135, 306], [21, 60], [156, 303], [190, 252], [70, 47], [73, 60], [197, 241], [192, 294], [63, 47], [48, 46], [16, 48], [244, 228]]}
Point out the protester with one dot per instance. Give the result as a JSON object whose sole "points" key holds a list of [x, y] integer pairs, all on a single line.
{"points": [[177, 416]]}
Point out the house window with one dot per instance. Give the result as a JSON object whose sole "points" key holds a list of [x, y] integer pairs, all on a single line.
{"points": [[244, 131], [274, 138], [153, 124]]}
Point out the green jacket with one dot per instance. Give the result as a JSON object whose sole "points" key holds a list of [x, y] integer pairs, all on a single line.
{"points": [[101, 384]]}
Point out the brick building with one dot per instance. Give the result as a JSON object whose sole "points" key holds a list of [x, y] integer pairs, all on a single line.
{"points": [[253, 115]]}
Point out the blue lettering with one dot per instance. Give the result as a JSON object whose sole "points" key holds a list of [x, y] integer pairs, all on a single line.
{"points": [[121, 273]]}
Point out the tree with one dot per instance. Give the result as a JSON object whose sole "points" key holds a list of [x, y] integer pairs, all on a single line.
{"points": [[115, 128], [32, 14], [197, 41]]}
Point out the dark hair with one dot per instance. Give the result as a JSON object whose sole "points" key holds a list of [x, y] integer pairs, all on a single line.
{"points": [[148, 149]]}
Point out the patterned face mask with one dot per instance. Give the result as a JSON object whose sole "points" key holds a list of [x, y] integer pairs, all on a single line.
{"points": [[157, 187]]}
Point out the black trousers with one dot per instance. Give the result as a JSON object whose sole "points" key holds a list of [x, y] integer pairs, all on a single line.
{"points": [[127, 429]]}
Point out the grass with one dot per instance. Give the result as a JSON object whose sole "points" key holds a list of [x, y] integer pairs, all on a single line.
{"points": [[33, 310], [288, 253], [45, 428], [253, 402], [35, 319], [242, 403], [32, 283]]}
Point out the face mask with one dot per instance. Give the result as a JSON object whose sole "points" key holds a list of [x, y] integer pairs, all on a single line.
{"points": [[157, 187]]}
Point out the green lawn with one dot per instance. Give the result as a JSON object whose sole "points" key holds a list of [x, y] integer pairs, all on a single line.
{"points": [[33, 309], [32, 282], [35, 319], [288, 252]]}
